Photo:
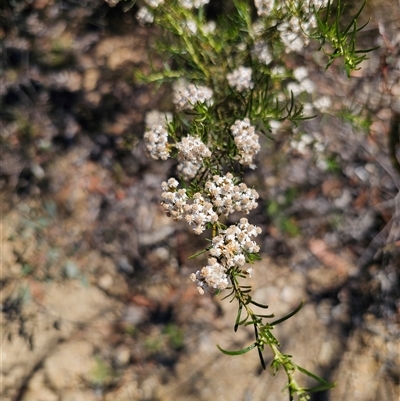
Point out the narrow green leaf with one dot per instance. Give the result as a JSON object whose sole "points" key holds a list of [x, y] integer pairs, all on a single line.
{"points": [[322, 387], [252, 322], [259, 305], [197, 254], [238, 352], [238, 317], [260, 355], [355, 17], [367, 50], [313, 376], [288, 316]]}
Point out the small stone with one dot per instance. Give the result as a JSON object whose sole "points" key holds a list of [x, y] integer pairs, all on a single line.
{"points": [[122, 356], [90, 79], [105, 281]]}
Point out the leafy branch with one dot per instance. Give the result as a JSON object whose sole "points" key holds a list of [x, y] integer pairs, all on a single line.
{"points": [[265, 337], [341, 40]]}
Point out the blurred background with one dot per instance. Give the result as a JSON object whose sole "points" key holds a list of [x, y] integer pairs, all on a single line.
{"points": [[96, 300]]}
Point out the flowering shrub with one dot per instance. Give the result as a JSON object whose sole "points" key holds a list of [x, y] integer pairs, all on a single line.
{"points": [[231, 84]]}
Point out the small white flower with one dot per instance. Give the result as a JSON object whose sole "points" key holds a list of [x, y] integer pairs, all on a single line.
{"points": [[191, 26], [144, 16], [307, 85], [240, 79], [300, 73], [188, 169], [154, 3], [274, 125], [155, 117], [323, 103], [292, 36], [278, 71], [189, 4], [264, 7], [294, 87], [262, 52], [209, 27]]}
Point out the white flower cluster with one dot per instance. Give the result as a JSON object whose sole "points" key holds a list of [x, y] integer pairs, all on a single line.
{"points": [[188, 169], [292, 35], [175, 204], [228, 198], [306, 142], [191, 148], [144, 16], [295, 32], [300, 73], [189, 4], [154, 3], [232, 244], [155, 117], [190, 25], [305, 83], [323, 104], [228, 250], [261, 52], [174, 200], [319, 3], [199, 213], [246, 141], [222, 197], [264, 7], [192, 152], [209, 27], [156, 138], [186, 97], [212, 276], [240, 79]]}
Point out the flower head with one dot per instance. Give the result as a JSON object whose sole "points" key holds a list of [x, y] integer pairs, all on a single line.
{"points": [[185, 98], [189, 4], [154, 3], [156, 139], [240, 79], [264, 7], [144, 16], [246, 141], [210, 277], [191, 148]]}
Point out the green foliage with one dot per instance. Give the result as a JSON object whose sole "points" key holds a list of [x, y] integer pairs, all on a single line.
{"points": [[277, 212], [341, 40], [240, 66], [175, 336], [102, 373]]}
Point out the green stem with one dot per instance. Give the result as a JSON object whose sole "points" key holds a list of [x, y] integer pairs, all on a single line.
{"points": [[265, 336]]}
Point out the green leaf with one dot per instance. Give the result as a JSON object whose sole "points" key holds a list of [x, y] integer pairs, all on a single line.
{"points": [[313, 376], [282, 319], [322, 387], [197, 254], [259, 305], [260, 355], [238, 317], [238, 352]]}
